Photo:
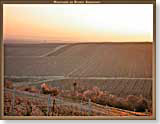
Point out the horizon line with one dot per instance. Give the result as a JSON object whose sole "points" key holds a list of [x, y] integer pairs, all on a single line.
{"points": [[76, 42]]}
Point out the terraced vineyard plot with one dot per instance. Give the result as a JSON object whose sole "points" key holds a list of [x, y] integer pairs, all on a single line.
{"points": [[50, 66], [60, 65], [28, 49], [88, 60], [31, 104], [117, 60], [119, 87]]}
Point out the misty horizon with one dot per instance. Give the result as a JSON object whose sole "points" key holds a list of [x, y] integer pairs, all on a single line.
{"points": [[78, 23], [31, 41]]}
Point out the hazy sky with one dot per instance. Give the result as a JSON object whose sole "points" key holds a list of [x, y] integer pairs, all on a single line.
{"points": [[79, 23]]}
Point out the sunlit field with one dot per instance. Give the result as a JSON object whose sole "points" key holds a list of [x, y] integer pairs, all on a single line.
{"points": [[83, 79]]}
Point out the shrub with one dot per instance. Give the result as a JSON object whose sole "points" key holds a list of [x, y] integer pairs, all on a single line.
{"points": [[141, 105], [132, 101], [49, 90], [31, 89], [8, 84]]}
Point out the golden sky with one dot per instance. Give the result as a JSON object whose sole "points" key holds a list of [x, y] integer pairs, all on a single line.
{"points": [[79, 23]]}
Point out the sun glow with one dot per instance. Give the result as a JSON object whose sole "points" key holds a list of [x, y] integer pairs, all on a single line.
{"points": [[79, 23]]}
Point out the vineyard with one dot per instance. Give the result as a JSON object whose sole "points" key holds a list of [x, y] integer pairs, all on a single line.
{"points": [[88, 79], [29, 50], [132, 60], [119, 87], [31, 101], [28, 104]]}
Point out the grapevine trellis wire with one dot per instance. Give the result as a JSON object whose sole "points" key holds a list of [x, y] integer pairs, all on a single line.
{"points": [[82, 105], [48, 98]]}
